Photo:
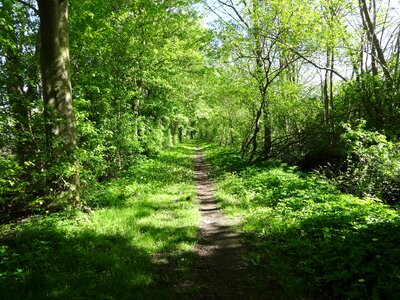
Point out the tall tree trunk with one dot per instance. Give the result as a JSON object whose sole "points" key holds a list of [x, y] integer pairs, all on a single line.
{"points": [[369, 25], [331, 99], [374, 105], [253, 138], [57, 91], [326, 89], [377, 104], [397, 60]]}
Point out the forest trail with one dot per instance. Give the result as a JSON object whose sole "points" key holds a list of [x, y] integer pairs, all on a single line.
{"points": [[219, 268]]}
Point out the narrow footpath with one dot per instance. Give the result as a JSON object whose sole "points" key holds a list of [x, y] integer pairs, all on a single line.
{"points": [[219, 269]]}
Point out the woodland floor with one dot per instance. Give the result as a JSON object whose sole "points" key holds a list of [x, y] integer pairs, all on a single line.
{"points": [[148, 236], [220, 269]]}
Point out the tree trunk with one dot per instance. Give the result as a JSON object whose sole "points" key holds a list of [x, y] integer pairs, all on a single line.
{"points": [[57, 91], [326, 89], [378, 114], [253, 140], [374, 39], [267, 133]]}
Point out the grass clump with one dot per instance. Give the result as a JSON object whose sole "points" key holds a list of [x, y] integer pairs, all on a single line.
{"points": [[315, 241], [135, 243]]}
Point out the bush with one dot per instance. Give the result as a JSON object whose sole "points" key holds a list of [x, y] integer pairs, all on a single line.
{"points": [[313, 241], [10, 182], [373, 167]]}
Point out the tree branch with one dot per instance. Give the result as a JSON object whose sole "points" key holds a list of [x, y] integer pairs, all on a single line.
{"points": [[235, 10], [317, 66], [374, 39], [31, 6], [214, 12]]}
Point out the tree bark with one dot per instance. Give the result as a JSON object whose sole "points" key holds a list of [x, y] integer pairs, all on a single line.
{"points": [[325, 89], [253, 140], [374, 39], [57, 90], [267, 132]]}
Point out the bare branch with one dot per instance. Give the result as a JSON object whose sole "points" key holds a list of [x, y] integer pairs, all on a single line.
{"points": [[281, 69], [311, 62], [319, 67], [232, 6], [233, 17], [31, 6], [214, 12]]}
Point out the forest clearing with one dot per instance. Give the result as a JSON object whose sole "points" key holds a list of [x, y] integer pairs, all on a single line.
{"points": [[199, 149]]}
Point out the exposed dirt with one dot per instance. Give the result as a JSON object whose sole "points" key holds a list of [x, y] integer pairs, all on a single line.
{"points": [[219, 269]]}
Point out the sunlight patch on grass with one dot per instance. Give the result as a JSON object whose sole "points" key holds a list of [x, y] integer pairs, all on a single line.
{"points": [[108, 253], [311, 238]]}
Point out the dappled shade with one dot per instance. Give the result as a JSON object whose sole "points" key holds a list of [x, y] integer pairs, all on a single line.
{"points": [[135, 243]]}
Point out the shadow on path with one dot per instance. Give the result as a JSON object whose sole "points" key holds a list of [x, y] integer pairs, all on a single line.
{"points": [[219, 269]]}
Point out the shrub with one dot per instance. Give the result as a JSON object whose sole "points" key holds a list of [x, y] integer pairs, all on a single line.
{"points": [[10, 182], [373, 164], [313, 241]]}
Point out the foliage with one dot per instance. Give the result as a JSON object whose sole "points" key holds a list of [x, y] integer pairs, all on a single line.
{"points": [[10, 177], [317, 70], [272, 79], [372, 165], [314, 240], [135, 69], [125, 104], [222, 112], [136, 240]]}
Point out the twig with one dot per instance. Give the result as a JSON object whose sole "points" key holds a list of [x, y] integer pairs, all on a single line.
{"points": [[31, 6]]}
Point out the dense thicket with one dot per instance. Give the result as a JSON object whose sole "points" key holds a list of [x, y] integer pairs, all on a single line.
{"points": [[314, 83], [135, 67]]}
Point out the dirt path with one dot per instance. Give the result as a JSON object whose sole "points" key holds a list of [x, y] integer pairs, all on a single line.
{"points": [[219, 269]]}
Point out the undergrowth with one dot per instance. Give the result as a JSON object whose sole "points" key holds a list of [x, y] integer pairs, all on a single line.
{"points": [[315, 241], [135, 243]]}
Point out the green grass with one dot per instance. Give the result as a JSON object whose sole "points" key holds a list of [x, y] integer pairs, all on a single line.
{"points": [[313, 240], [136, 243]]}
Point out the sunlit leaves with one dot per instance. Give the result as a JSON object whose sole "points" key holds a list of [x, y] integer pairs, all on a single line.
{"points": [[135, 64], [307, 234]]}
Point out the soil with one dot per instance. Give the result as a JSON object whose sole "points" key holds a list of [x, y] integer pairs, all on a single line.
{"points": [[219, 269]]}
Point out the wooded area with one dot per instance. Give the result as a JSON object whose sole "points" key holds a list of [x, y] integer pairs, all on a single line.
{"points": [[91, 90]]}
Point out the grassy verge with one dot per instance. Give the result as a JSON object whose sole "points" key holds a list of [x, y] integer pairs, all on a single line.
{"points": [[315, 241], [135, 244]]}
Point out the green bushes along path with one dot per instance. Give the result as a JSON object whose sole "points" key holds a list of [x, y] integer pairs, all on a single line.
{"points": [[315, 241], [138, 237], [140, 224]]}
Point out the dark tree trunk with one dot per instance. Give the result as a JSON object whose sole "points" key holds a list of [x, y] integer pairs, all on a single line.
{"points": [[267, 133]]}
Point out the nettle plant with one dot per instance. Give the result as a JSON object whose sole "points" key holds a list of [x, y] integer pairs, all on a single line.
{"points": [[373, 164]]}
